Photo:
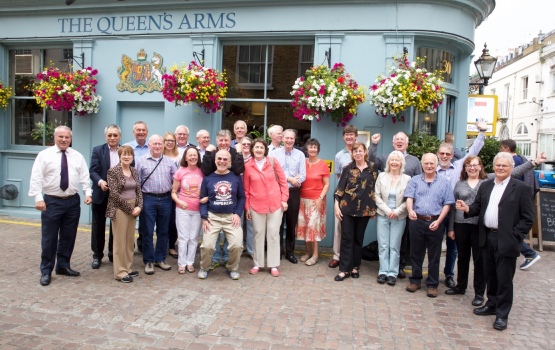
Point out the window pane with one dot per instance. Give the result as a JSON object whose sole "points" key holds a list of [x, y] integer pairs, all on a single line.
{"points": [[438, 60]]}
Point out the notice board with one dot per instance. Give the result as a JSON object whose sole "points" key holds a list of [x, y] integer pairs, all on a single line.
{"points": [[546, 216]]}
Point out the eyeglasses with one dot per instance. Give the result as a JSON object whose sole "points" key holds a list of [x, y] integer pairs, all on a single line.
{"points": [[502, 166], [170, 141], [222, 159], [246, 144], [472, 165], [112, 135], [444, 153]]}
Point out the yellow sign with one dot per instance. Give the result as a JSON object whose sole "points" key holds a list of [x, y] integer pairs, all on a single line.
{"points": [[481, 107], [330, 165]]}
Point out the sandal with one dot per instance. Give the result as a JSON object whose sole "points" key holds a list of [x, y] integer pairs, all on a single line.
{"points": [[190, 268], [304, 258], [173, 255], [311, 261], [181, 270]]}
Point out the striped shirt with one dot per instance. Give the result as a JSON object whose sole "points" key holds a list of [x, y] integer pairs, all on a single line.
{"points": [[293, 163], [161, 180], [429, 197], [491, 217]]}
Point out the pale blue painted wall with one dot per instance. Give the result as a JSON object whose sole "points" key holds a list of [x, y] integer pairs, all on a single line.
{"points": [[365, 35]]}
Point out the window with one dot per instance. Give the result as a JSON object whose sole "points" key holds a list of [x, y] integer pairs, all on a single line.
{"points": [[438, 60], [523, 148], [30, 123], [546, 142], [552, 80], [251, 64], [306, 56], [524, 84], [521, 130]]}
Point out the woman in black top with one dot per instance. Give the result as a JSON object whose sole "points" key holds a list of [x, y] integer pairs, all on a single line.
{"points": [[354, 206]]}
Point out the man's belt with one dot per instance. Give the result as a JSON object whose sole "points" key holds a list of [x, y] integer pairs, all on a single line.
{"points": [[494, 230], [157, 194], [58, 197], [427, 217]]}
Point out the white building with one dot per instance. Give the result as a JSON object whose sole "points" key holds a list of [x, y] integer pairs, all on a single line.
{"points": [[524, 82]]}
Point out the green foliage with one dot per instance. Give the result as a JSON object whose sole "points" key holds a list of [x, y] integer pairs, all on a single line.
{"points": [[255, 134], [421, 143], [488, 152]]}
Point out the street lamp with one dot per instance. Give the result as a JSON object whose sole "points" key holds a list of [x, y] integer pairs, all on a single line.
{"points": [[485, 66]]}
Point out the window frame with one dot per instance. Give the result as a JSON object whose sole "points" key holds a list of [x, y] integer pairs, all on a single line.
{"points": [[525, 148], [521, 130], [270, 59], [524, 82]]}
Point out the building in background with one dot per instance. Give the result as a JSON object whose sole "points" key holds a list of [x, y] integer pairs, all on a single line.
{"points": [[262, 45]]}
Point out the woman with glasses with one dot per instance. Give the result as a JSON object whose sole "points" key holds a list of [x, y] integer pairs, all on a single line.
{"points": [[185, 194], [171, 151], [125, 203], [267, 195]]}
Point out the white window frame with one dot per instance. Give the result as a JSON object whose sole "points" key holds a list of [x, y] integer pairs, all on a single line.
{"points": [[521, 130], [524, 84], [260, 83], [304, 63], [552, 80], [525, 148]]}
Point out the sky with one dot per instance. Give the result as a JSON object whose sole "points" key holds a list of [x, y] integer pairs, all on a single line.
{"points": [[512, 23]]}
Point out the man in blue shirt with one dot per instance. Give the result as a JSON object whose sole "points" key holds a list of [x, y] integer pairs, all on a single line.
{"points": [[222, 212], [429, 198], [293, 163]]}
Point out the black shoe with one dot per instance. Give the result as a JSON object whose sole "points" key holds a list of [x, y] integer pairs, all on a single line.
{"points": [[478, 300], [456, 291], [45, 280], [67, 271], [500, 323], [484, 311], [391, 280], [382, 279], [96, 263], [402, 273], [134, 273], [450, 282], [126, 279], [355, 274], [291, 259], [338, 278], [110, 256]]}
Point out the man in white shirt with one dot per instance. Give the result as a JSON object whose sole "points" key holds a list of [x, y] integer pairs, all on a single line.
{"points": [[203, 140], [182, 136], [276, 134], [55, 178]]}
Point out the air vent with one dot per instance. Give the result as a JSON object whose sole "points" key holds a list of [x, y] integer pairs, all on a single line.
{"points": [[24, 64]]}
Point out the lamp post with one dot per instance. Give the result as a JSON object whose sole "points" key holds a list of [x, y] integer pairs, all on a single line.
{"points": [[485, 66]]}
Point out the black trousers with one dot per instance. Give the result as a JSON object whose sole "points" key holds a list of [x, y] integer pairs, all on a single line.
{"points": [[499, 270], [466, 238], [352, 238], [290, 218], [422, 239], [59, 229], [98, 231], [405, 247]]}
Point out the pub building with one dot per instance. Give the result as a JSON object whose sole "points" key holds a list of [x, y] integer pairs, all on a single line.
{"points": [[263, 46]]}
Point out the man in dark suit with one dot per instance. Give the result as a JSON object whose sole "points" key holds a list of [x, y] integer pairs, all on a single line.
{"points": [[506, 212], [103, 158]]}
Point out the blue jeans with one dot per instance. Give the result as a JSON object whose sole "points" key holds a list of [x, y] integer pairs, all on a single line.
{"points": [[390, 233], [217, 256], [156, 211], [527, 251], [451, 254], [249, 235]]}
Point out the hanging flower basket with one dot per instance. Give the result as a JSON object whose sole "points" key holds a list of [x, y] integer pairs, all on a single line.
{"points": [[407, 85], [195, 83], [73, 91], [327, 91], [5, 94]]}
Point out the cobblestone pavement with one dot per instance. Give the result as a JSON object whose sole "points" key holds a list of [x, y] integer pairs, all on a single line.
{"points": [[304, 308]]}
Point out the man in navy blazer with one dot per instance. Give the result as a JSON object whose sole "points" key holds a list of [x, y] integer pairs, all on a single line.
{"points": [[103, 158], [506, 211]]}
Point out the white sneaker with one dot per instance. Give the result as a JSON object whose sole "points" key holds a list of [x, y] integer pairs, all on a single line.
{"points": [[149, 268], [202, 274], [163, 265], [234, 275]]}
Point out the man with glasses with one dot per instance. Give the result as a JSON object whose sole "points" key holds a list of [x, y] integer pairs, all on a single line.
{"points": [[222, 212], [103, 157], [452, 172], [182, 134], [506, 214]]}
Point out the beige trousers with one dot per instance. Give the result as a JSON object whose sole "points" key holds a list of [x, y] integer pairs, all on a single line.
{"points": [[336, 238], [234, 235], [266, 227], [123, 229]]}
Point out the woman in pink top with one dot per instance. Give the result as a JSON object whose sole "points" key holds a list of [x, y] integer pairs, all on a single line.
{"points": [[267, 194], [312, 211], [187, 214]]}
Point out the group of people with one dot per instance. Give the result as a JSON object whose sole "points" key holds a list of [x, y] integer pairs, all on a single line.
{"points": [[253, 191]]}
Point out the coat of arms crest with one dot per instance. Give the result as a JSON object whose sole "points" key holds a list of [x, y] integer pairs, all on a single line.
{"points": [[141, 75]]}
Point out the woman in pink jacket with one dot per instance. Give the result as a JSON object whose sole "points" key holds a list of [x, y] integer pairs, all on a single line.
{"points": [[267, 194]]}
